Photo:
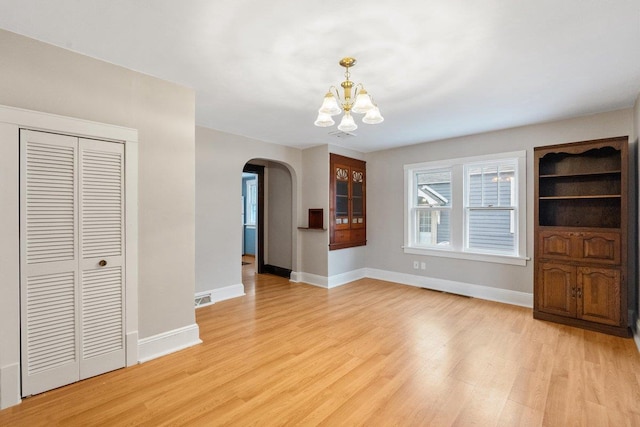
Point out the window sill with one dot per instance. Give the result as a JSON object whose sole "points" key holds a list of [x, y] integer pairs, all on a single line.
{"points": [[471, 256]]}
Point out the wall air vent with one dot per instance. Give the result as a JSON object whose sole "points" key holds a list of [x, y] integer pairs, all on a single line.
{"points": [[342, 135]]}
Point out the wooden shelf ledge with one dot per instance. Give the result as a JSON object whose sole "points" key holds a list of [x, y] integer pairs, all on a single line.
{"points": [[596, 196]]}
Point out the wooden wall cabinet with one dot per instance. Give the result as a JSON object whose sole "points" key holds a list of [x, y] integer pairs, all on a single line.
{"points": [[581, 234], [347, 202]]}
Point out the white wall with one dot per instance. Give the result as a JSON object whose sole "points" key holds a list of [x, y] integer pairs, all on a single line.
{"points": [[385, 195], [220, 158], [315, 195], [41, 77], [279, 218], [319, 265]]}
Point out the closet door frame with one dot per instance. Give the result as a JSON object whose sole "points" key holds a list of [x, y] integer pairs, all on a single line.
{"points": [[11, 121]]}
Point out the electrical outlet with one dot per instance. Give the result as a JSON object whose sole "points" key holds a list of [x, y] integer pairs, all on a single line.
{"points": [[423, 265], [416, 265]]}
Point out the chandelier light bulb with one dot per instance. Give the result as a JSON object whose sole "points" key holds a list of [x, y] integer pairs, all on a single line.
{"points": [[347, 124], [363, 103], [324, 120], [373, 116], [330, 105]]}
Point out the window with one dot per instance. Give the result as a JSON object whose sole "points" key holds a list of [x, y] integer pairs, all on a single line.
{"points": [[490, 206], [468, 208], [432, 207], [252, 202]]}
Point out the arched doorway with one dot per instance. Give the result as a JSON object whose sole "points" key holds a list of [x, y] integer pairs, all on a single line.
{"points": [[268, 187]]}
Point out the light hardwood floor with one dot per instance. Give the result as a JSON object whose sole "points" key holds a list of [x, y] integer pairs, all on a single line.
{"points": [[368, 353]]}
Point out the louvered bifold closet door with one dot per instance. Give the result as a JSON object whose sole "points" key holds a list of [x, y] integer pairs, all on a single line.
{"points": [[101, 207], [48, 261], [72, 259]]}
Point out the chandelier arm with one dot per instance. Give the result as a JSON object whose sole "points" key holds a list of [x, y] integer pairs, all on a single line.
{"points": [[335, 92]]}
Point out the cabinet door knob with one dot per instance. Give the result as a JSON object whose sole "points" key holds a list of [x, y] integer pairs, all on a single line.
{"points": [[102, 263]]}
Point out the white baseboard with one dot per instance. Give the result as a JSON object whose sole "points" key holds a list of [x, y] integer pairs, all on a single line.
{"points": [[523, 299], [132, 348], [220, 294], [227, 292], [344, 278], [168, 342], [310, 279], [9, 385], [636, 335], [328, 282], [477, 291]]}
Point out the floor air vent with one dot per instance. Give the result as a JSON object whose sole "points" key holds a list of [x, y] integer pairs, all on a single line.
{"points": [[445, 292], [203, 299]]}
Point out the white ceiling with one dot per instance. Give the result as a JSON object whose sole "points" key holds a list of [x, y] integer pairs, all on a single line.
{"points": [[436, 68]]}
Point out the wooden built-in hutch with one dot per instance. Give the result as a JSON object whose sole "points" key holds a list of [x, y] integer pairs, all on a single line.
{"points": [[582, 234], [347, 202]]}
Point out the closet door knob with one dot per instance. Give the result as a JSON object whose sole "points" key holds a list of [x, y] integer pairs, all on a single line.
{"points": [[102, 263]]}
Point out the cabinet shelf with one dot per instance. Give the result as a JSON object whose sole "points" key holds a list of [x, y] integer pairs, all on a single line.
{"points": [[595, 196], [580, 174], [586, 185], [577, 229]]}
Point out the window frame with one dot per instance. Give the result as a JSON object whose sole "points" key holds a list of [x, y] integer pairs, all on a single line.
{"points": [[251, 202], [458, 244]]}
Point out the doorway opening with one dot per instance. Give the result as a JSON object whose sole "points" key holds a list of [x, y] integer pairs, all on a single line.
{"points": [[253, 216], [267, 219]]}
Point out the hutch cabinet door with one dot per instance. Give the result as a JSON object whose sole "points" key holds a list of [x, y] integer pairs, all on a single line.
{"points": [[341, 197], [599, 294], [601, 247], [556, 244], [557, 289]]}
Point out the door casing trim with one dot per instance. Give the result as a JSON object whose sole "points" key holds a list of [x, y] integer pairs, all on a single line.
{"points": [[11, 121]]}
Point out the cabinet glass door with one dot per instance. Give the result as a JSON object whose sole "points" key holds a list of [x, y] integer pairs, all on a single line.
{"points": [[342, 197], [357, 198]]}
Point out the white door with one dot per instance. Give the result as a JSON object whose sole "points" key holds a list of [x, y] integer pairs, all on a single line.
{"points": [[101, 236], [72, 271]]}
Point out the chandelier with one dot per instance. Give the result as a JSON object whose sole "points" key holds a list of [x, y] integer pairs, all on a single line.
{"points": [[360, 103]]}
